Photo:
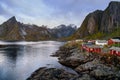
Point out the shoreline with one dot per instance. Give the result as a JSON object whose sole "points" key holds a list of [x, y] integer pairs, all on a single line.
{"points": [[89, 66]]}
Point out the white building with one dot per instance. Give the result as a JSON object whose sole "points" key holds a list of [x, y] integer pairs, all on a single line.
{"points": [[78, 40], [101, 42]]}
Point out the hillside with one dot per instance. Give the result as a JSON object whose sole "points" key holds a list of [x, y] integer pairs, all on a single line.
{"points": [[101, 24]]}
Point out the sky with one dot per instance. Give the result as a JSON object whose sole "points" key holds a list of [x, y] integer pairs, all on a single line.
{"points": [[50, 12]]}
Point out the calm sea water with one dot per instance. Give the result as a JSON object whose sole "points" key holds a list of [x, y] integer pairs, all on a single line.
{"points": [[19, 59]]}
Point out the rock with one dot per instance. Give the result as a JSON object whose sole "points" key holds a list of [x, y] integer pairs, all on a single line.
{"points": [[51, 74], [93, 66], [90, 25], [84, 77], [111, 18], [73, 57], [106, 21]]}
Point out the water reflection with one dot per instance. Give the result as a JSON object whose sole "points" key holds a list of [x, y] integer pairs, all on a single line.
{"points": [[12, 51], [8, 58], [17, 62]]}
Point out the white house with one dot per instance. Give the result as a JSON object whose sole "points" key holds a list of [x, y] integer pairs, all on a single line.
{"points": [[78, 40], [101, 42]]}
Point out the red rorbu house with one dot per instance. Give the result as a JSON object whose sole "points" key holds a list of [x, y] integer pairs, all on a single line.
{"points": [[115, 51], [113, 41], [92, 48]]}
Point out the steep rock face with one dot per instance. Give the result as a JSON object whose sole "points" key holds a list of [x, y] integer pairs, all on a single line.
{"points": [[105, 21], [33, 32], [90, 25], [111, 17], [10, 30]]}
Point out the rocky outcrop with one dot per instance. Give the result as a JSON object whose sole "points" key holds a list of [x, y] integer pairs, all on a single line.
{"points": [[90, 65], [12, 30], [105, 21], [51, 74]]}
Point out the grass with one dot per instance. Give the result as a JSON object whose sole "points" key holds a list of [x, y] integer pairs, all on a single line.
{"points": [[74, 44], [116, 45], [100, 35]]}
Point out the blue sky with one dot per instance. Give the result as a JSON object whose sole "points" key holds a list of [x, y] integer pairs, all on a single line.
{"points": [[50, 12]]}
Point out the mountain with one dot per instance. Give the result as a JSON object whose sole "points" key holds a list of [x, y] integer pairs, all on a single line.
{"points": [[63, 30], [12, 30], [9, 29], [100, 23]]}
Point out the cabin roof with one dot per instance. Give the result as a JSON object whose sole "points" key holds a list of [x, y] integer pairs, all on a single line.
{"points": [[115, 48], [94, 46], [115, 40], [101, 41]]}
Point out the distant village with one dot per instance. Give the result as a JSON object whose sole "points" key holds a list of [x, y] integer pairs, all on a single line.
{"points": [[111, 46]]}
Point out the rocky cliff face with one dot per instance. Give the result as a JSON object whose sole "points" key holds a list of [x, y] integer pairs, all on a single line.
{"points": [[111, 17], [12, 30], [90, 25], [100, 21]]}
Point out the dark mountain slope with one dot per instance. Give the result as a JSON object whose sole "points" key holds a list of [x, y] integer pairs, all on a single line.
{"points": [[9, 30], [100, 23]]}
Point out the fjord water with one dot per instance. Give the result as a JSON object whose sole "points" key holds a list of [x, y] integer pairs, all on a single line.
{"points": [[19, 59]]}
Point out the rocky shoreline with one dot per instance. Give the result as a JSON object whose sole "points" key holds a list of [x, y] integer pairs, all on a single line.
{"points": [[51, 74], [89, 66]]}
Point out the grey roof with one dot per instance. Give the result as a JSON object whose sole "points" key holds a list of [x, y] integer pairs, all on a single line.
{"points": [[115, 48], [94, 46], [115, 40], [101, 41]]}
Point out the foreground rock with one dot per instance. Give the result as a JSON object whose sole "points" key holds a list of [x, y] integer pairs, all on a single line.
{"points": [[51, 74], [94, 66]]}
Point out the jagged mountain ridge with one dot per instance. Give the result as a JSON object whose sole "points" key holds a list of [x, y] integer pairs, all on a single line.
{"points": [[63, 30], [12, 30], [104, 22]]}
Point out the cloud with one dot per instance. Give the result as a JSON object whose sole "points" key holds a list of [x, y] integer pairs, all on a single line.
{"points": [[50, 12], [2, 19], [73, 11]]}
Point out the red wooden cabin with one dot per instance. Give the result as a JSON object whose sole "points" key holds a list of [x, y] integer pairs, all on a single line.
{"points": [[115, 51], [92, 48], [113, 41]]}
